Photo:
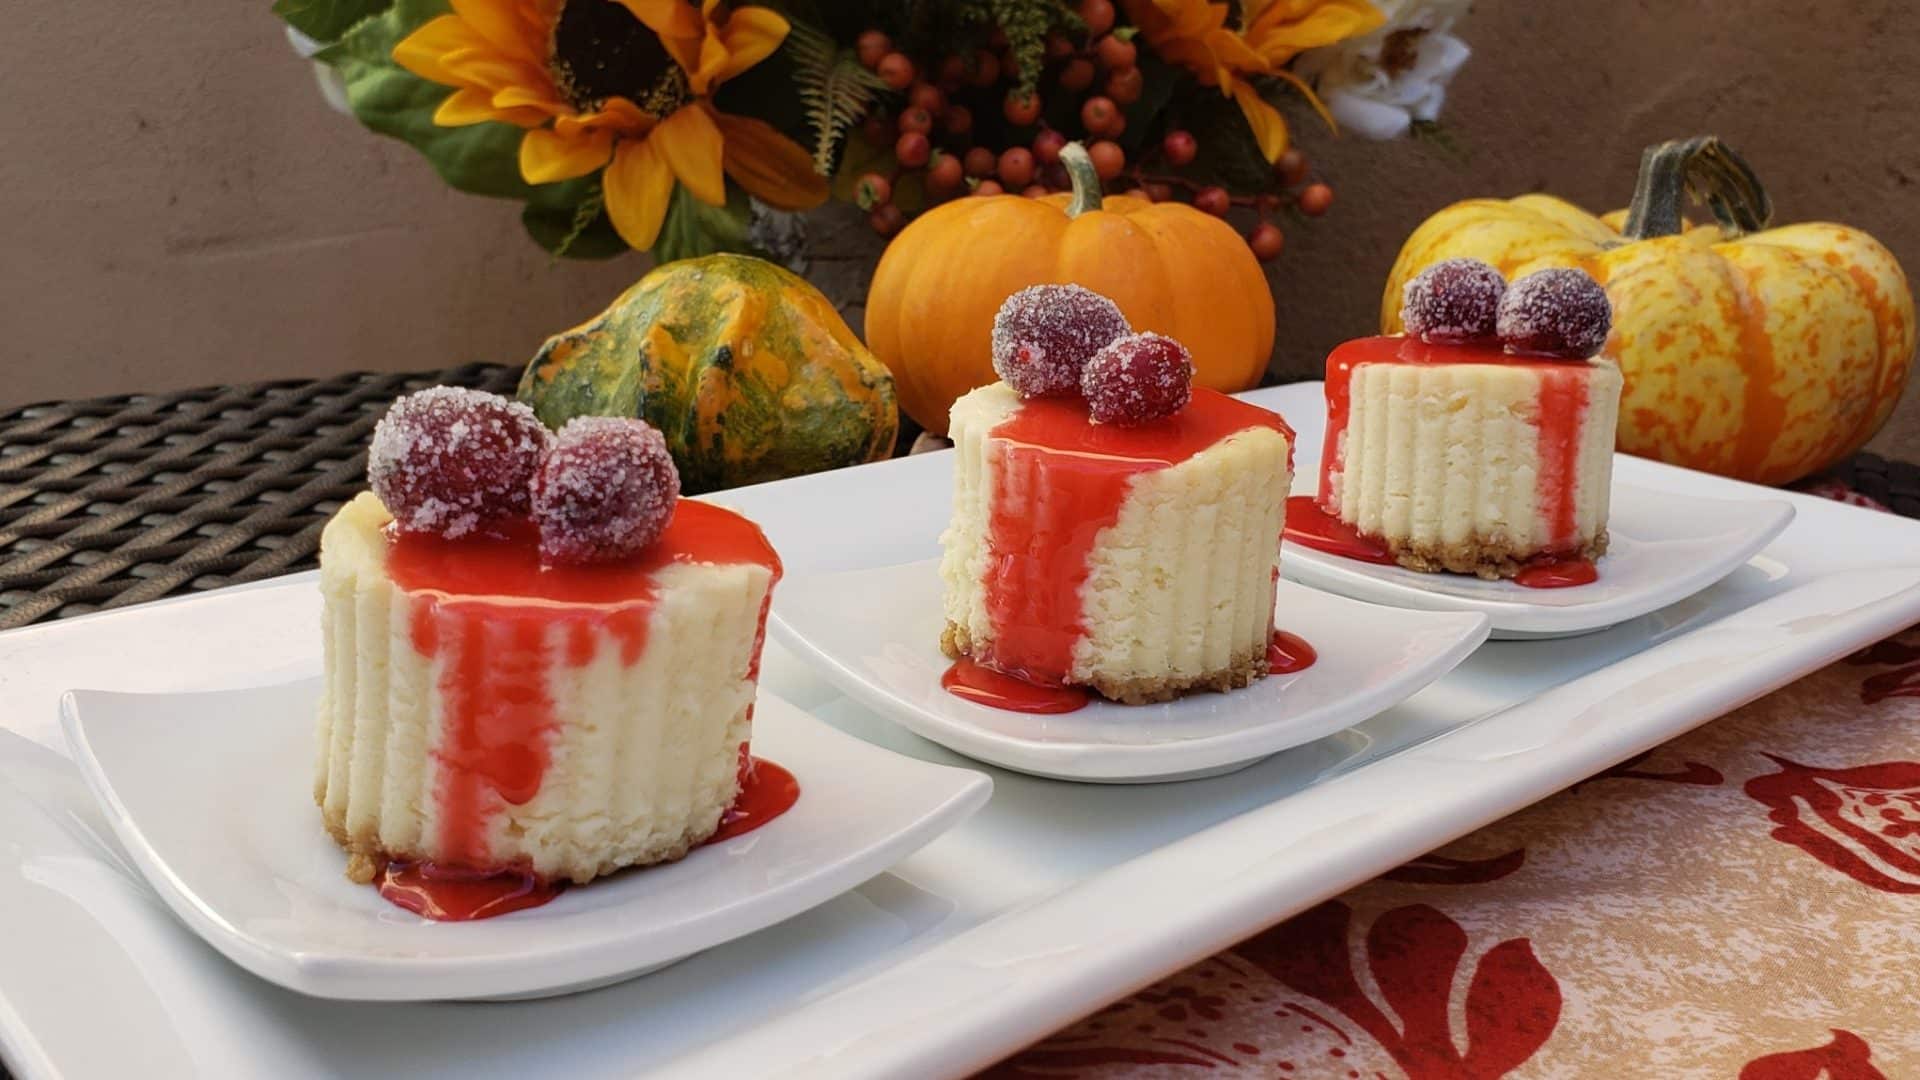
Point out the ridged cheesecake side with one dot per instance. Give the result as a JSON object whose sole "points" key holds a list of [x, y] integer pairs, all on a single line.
{"points": [[1180, 587], [1442, 463], [641, 757]]}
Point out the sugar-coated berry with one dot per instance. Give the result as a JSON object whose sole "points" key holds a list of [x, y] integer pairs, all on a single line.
{"points": [[1453, 301], [450, 461], [1557, 312], [1137, 380], [1044, 335], [605, 491]]}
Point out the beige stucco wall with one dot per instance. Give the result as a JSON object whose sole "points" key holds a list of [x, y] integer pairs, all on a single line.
{"points": [[180, 207]]}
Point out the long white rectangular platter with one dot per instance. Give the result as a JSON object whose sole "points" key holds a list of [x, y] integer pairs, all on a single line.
{"points": [[1054, 899]]}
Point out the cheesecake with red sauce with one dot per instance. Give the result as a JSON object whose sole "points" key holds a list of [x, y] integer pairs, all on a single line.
{"points": [[1114, 528], [539, 660], [1482, 441]]}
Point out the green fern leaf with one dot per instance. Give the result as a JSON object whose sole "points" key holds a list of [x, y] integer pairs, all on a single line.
{"points": [[836, 90]]}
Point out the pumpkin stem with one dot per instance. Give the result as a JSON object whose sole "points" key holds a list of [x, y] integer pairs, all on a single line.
{"points": [[1706, 169], [1086, 181]]}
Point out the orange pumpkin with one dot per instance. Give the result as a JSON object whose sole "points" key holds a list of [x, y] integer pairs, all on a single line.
{"points": [[1171, 268], [1759, 353]]}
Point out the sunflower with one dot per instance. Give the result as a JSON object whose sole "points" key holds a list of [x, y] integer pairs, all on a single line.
{"points": [[1201, 37], [620, 84]]}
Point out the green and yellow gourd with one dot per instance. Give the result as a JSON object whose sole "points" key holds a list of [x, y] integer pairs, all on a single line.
{"points": [[748, 370]]}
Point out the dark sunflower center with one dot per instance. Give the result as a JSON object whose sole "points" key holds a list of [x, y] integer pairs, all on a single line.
{"points": [[600, 51]]}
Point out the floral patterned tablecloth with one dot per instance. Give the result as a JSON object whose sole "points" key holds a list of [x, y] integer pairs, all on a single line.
{"points": [[1743, 901]]}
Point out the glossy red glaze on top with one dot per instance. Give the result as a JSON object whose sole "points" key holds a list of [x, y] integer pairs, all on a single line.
{"points": [[495, 617], [1059, 479], [1562, 413]]}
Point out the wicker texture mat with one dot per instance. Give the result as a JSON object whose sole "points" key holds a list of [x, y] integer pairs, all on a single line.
{"points": [[120, 500]]}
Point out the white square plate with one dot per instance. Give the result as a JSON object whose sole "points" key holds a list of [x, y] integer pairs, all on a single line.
{"points": [[888, 656], [1662, 548], [209, 793]]}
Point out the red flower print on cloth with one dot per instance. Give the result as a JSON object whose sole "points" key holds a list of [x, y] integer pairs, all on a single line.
{"points": [[1414, 954], [1689, 772], [1433, 869], [1902, 681], [1844, 1058], [1863, 822]]}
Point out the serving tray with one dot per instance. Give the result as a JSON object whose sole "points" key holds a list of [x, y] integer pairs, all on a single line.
{"points": [[1053, 900]]}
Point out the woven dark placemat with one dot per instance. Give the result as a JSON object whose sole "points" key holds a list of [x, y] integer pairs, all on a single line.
{"points": [[1893, 484], [120, 500]]}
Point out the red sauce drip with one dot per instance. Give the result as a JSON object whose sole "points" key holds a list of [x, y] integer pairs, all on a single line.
{"points": [[1059, 479], [1557, 574], [985, 686], [455, 894], [1310, 526], [471, 609], [767, 790], [1288, 653], [1562, 412]]}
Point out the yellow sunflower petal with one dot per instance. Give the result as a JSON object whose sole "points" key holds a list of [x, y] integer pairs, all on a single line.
{"points": [[772, 167], [422, 51], [636, 188], [751, 35], [468, 105], [1279, 37], [546, 157], [1313, 99], [690, 144], [500, 22], [1269, 127]]}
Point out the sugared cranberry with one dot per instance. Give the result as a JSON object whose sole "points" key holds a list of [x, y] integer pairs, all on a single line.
{"points": [[450, 460], [1453, 301], [606, 491], [1138, 379], [1557, 312], [1044, 335]]}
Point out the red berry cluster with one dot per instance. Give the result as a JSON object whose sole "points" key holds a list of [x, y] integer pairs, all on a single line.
{"points": [[966, 125], [1559, 312], [1062, 340], [456, 462]]}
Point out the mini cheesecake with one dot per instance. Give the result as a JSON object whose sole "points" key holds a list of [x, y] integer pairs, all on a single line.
{"points": [[485, 712], [1466, 458], [1139, 561]]}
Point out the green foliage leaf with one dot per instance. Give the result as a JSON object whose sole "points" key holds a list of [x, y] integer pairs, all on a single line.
{"points": [[570, 221], [693, 228], [837, 89], [327, 20], [479, 158]]}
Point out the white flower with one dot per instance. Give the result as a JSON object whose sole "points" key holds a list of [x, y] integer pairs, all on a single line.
{"points": [[1378, 84]]}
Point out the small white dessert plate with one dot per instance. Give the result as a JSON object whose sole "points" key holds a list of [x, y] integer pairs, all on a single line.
{"points": [[1662, 548], [876, 634], [209, 792]]}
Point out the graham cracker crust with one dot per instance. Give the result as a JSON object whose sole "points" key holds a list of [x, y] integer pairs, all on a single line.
{"points": [[366, 857], [1490, 558], [957, 643]]}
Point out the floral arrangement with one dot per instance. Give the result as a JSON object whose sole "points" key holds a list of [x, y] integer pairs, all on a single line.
{"points": [[686, 128]]}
